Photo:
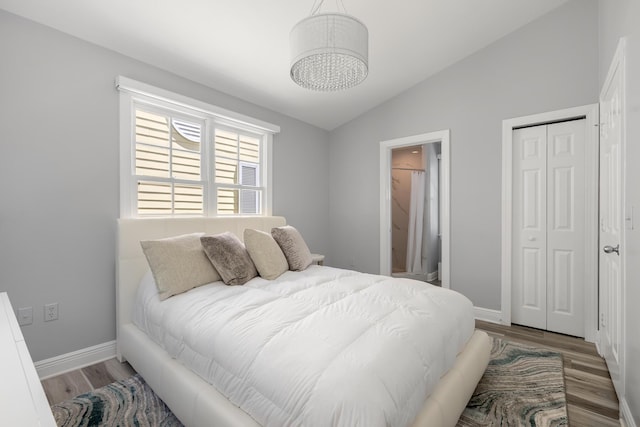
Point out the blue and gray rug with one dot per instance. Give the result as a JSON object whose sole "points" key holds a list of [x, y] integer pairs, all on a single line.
{"points": [[522, 387], [129, 402]]}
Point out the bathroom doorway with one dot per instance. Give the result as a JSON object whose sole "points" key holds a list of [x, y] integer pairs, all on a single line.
{"points": [[414, 220]]}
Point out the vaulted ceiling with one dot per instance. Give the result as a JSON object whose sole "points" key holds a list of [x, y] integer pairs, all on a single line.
{"points": [[241, 47]]}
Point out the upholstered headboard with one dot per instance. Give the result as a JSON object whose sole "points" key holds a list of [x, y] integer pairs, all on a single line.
{"points": [[131, 264]]}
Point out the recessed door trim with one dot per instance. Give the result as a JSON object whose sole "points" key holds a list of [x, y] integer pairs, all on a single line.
{"points": [[590, 113], [385, 196]]}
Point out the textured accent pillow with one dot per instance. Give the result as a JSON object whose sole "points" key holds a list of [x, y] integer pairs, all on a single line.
{"points": [[265, 253], [178, 264], [230, 258], [292, 244]]}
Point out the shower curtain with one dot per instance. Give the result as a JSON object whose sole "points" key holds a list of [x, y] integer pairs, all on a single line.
{"points": [[416, 221]]}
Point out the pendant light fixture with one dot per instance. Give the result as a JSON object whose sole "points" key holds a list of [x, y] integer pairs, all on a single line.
{"points": [[329, 51]]}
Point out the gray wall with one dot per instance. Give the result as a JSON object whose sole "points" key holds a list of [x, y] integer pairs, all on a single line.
{"points": [[547, 65], [59, 178], [617, 19]]}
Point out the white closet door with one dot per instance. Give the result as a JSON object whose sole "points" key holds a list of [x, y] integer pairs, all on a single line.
{"points": [[548, 227], [566, 227], [529, 269]]}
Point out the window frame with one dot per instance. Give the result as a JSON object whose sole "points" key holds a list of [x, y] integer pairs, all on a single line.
{"points": [[200, 119], [239, 186], [134, 93]]}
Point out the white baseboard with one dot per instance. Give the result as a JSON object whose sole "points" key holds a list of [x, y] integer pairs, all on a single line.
{"points": [[75, 360], [488, 315], [626, 418]]}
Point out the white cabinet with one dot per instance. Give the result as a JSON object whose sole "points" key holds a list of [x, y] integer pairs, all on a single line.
{"points": [[22, 399]]}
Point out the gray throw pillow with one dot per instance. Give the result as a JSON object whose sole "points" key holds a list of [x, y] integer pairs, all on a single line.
{"points": [[230, 258], [265, 253], [292, 244], [178, 264]]}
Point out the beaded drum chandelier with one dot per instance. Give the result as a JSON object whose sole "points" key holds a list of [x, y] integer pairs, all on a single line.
{"points": [[329, 51]]}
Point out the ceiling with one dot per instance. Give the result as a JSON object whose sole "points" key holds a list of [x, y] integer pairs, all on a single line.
{"points": [[241, 47]]}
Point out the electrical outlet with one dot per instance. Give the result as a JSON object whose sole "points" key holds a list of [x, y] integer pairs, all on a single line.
{"points": [[51, 312], [25, 316]]}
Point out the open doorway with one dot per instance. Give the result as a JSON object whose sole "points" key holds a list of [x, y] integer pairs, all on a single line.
{"points": [[414, 207], [415, 212]]}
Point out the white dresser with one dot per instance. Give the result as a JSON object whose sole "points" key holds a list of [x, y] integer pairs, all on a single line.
{"points": [[22, 399]]}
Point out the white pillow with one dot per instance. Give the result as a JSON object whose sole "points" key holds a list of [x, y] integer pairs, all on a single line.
{"points": [[265, 254], [178, 264]]}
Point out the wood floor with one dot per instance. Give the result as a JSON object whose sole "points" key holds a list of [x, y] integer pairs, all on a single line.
{"points": [[591, 398], [71, 384], [590, 395]]}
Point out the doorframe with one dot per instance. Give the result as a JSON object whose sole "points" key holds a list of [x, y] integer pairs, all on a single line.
{"points": [[386, 148], [591, 114]]}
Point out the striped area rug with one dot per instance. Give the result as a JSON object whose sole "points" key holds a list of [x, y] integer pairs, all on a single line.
{"points": [[129, 402], [522, 386]]}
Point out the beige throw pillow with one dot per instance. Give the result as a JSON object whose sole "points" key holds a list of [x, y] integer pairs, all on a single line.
{"points": [[265, 253], [178, 264], [292, 244], [230, 258]]}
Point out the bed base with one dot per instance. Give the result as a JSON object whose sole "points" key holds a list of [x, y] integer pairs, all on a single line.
{"points": [[198, 404]]}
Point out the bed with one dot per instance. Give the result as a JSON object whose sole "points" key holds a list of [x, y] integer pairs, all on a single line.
{"points": [[192, 399]]}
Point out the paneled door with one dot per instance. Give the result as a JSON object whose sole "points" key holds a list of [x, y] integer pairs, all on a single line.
{"points": [[548, 227], [611, 304]]}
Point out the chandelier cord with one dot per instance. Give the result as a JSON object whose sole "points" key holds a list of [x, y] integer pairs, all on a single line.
{"points": [[317, 4]]}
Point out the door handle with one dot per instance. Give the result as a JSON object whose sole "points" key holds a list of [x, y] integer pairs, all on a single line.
{"points": [[610, 249]]}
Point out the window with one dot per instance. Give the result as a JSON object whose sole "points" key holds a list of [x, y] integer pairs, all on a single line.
{"points": [[168, 165], [237, 164], [181, 157]]}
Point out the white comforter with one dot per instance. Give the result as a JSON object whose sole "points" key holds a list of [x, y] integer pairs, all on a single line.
{"points": [[322, 347]]}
